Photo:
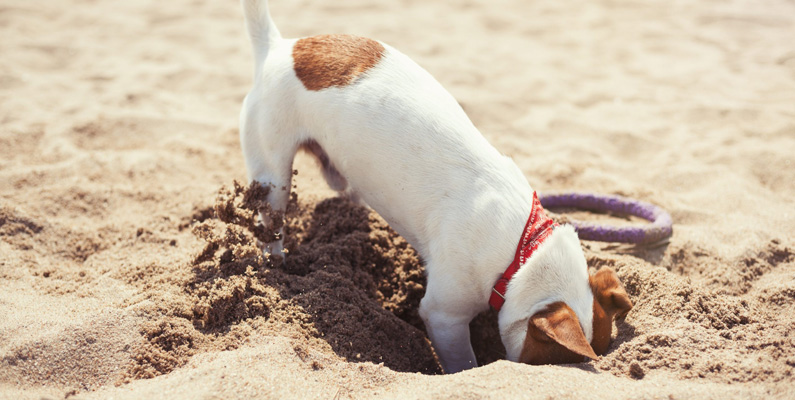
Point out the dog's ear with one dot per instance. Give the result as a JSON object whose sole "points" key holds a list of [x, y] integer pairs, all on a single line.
{"points": [[610, 293], [557, 323]]}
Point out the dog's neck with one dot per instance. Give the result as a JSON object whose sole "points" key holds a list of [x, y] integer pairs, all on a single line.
{"points": [[537, 229]]}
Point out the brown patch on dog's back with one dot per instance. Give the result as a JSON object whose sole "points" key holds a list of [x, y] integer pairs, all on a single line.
{"points": [[324, 61]]}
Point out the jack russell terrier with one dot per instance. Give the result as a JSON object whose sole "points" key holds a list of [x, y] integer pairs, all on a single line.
{"points": [[385, 132]]}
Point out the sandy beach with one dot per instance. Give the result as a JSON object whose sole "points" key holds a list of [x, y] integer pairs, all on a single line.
{"points": [[128, 269]]}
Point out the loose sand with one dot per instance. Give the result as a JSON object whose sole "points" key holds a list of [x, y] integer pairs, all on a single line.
{"points": [[126, 261]]}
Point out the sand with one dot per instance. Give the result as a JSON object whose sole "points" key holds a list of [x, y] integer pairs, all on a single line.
{"points": [[127, 265]]}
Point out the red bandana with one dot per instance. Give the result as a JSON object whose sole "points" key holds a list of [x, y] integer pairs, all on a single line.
{"points": [[538, 229]]}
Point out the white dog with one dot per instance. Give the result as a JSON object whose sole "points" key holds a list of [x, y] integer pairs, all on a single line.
{"points": [[387, 133]]}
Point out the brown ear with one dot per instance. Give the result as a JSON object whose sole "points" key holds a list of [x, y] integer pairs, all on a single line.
{"points": [[610, 293], [560, 323]]}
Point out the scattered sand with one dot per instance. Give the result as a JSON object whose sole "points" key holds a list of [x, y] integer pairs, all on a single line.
{"points": [[127, 259]]}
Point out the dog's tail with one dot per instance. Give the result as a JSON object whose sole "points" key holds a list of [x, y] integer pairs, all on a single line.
{"points": [[261, 29]]}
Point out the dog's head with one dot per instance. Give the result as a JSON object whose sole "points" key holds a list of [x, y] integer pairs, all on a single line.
{"points": [[555, 312]]}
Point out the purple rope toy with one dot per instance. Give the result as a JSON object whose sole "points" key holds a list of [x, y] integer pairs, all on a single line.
{"points": [[659, 230]]}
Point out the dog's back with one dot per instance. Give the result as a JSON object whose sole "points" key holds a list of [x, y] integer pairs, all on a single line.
{"points": [[378, 117]]}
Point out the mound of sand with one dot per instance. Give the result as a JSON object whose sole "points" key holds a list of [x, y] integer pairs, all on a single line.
{"points": [[346, 283]]}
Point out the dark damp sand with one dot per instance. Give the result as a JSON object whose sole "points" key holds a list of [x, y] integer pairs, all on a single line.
{"points": [[119, 128]]}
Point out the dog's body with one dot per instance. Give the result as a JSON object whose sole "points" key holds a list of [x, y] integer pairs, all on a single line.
{"points": [[387, 133]]}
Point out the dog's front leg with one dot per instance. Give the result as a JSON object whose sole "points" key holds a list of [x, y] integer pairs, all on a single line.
{"points": [[447, 323]]}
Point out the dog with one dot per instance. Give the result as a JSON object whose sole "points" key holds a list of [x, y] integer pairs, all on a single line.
{"points": [[388, 135]]}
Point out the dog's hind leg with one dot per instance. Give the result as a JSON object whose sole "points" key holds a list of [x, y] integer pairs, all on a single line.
{"points": [[269, 149], [333, 177]]}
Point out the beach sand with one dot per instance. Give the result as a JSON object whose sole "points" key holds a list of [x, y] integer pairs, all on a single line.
{"points": [[127, 265]]}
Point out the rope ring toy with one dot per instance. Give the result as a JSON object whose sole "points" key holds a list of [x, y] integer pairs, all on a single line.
{"points": [[659, 230]]}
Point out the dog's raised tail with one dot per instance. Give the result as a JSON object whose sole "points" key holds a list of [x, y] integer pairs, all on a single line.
{"points": [[260, 26]]}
